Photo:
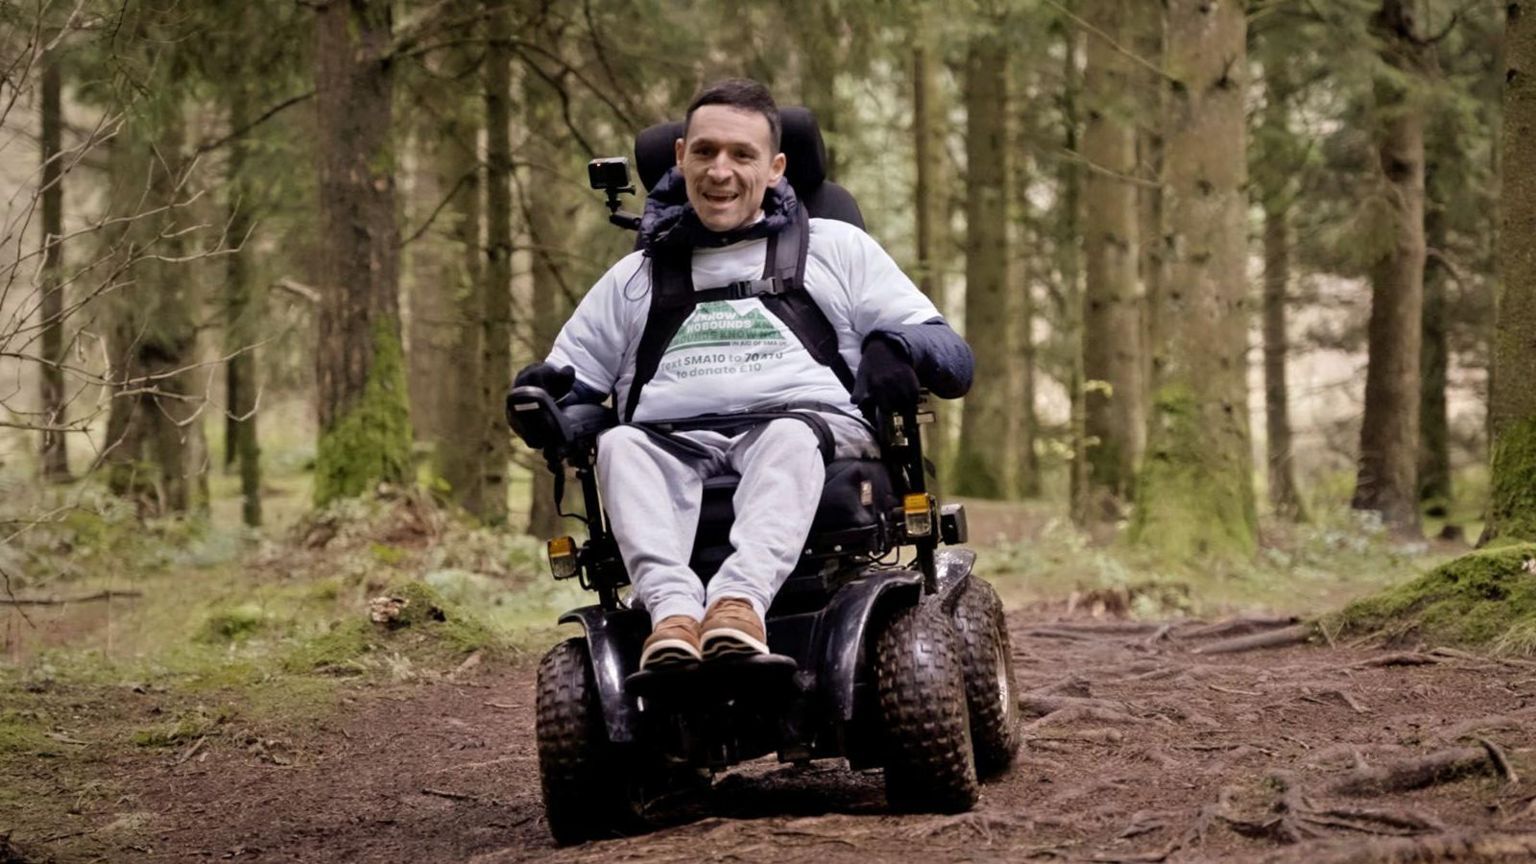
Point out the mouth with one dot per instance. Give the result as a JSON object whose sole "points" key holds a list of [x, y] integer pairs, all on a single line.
{"points": [[720, 199]]}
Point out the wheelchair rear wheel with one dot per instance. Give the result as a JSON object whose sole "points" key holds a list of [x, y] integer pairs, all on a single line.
{"points": [[929, 763], [986, 656]]}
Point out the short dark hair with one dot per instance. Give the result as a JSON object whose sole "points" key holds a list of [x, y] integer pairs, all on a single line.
{"points": [[740, 93]]}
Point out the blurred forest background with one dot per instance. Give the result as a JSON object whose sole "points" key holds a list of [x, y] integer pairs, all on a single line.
{"points": [[1223, 266]]}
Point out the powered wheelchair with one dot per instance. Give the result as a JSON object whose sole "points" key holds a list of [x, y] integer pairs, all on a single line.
{"points": [[900, 666]]}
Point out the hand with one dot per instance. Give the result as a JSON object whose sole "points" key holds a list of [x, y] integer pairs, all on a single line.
{"points": [[551, 379], [886, 379]]}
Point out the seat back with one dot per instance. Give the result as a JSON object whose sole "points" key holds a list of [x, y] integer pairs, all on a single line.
{"points": [[805, 156]]}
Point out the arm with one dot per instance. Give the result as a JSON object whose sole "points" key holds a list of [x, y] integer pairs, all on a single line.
{"points": [[594, 341], [888, 307]]}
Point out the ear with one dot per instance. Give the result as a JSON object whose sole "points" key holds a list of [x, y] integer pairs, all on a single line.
{"points": [[776, 166], [677, 150]]}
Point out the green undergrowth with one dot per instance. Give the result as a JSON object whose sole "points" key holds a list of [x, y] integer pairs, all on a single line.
{"points": [[1304, 570], [1484, 599]]}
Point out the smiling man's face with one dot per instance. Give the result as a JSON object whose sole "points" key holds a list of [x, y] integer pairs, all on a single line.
{"points": [[728, 162]]}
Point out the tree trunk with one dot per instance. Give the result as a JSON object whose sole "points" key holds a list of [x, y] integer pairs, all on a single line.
{"points": [[1387, 482], [1275, 192], [980, 468], [818, 44], [1512, 406], [429, 323], [158, 451], [1112, 355], [1024, 423], [240, 332], [1068, 236], [55, 449], [365, 435], [550, 209], [930, 209], [1195, 493], [1147, 41], [461, 447], [496, 298], [1434, 358]]}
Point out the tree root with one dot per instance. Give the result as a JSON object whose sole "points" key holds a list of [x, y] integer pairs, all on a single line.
{"points": [[1440, 767], [1083, 712], [1401, 658], [1294, 818], [1236, 627], [1041, 706], [1293, 635], [1458, 846]]}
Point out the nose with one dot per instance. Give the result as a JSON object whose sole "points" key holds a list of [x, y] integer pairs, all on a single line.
{"points": [[720, 168]]}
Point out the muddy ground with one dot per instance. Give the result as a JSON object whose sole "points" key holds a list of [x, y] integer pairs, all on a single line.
{"points": [[1141, 747]]}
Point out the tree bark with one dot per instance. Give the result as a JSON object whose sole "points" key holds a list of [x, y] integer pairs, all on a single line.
{"points": [[1512, 406], [157, 448], [1434, 358], [549, 209], [461, 447], [1195, 493], [1024, 422], [1387, 482], [1112, 355], [55, 448], [496, 315], [1147, 41], [930, 209], [1068, 237], [1276, 197], [241, 444], [365, 433], [978, 467]]}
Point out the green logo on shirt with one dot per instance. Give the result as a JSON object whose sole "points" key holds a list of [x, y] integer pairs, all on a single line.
{"points": [[718, 324]]}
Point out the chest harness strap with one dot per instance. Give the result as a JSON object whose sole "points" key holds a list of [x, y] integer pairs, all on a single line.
{"points": [[781, 291]]}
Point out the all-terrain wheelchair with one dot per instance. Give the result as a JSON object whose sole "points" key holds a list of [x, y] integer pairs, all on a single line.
{"points": [[900, 666]]}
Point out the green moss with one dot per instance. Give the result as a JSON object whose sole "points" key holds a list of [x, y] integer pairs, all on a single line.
{"points": [[371, 442], [391, 555], [1512, 498], [184, 729], [1485, 598], [1194, 498], [428, 627], [233, 624], [24, 734]]}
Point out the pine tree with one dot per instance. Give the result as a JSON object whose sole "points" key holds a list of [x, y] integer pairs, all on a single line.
{"points": [[1195, 493], [1512, 406], [364, 424]]}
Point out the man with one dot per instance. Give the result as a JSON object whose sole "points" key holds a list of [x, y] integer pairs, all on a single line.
{"points": [[721, 213]]}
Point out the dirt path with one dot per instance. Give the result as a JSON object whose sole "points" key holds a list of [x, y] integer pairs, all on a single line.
{"points": [[1140, 748]]}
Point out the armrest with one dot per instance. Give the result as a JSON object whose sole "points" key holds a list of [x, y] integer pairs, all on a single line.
{"points": [[542, 424]]}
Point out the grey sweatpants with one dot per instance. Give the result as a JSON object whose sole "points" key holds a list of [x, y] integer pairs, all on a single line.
{"points": [[653, 495]]}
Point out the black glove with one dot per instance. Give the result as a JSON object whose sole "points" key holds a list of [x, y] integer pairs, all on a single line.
{"points": [[551, 379], [886, 379]]}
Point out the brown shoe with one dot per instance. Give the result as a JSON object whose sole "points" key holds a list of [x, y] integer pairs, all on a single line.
{"points": [[672, 643], [732, 628]]}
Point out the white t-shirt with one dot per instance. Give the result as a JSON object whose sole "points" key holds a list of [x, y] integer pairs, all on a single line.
{"points": [[735, 355]]}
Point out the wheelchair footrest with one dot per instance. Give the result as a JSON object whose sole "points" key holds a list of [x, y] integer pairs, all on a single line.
{"points": [[714, 680]]}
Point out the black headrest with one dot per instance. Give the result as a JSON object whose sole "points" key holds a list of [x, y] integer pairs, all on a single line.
{"points": [[804, 151]]}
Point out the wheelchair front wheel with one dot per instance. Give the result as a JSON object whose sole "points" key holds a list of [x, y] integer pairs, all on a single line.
{"points": [[986, 656], [929, 763]]}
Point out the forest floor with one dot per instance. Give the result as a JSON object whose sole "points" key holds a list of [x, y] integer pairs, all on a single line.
{"points": [[1139, 747], [227, 703]]}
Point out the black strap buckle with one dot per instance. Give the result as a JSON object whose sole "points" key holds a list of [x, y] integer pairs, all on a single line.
{"points": [[748, 288]]}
